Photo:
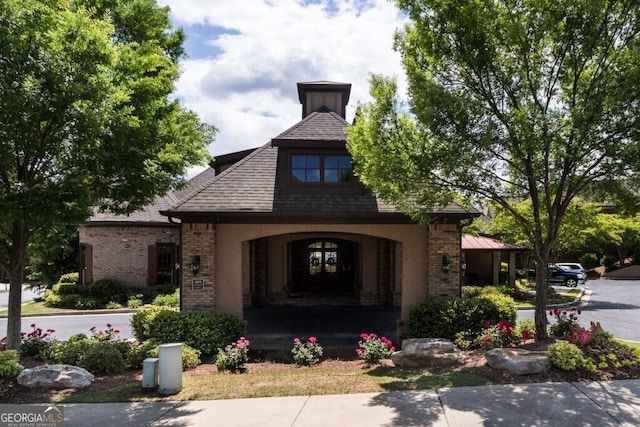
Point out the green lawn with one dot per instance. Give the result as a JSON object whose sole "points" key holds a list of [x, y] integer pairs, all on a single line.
{"points": [[38, 308], [329, 377], [564, 297]]}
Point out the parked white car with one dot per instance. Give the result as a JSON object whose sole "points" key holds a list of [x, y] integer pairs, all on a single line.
{"points": [[574, 266]]}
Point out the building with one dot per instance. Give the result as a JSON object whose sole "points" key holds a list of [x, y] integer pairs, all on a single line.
{"points": [[289, 223]]}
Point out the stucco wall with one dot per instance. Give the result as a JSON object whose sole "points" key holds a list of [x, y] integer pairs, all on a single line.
{"points": [[121, 252], [418, 255]]}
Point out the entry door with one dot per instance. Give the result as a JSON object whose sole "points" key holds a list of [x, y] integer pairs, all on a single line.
{"points": [[323, 266]]}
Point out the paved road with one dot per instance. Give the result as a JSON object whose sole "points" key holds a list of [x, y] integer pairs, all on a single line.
{"points": [[613, 303]]}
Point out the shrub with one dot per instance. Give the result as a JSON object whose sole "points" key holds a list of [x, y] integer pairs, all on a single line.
{"points": [[471, 291], [9, 364], [565, 355], [234, 356], [589, 261], [372, 349], [204, 331], [52, 299], [36, 343], [139, 352], [190, 356], [69, 278], [608, 260], [112, 305], [504, 334], [105, 290], [564, 321], [103, 352], [102, 357], [134, 301], [444, 318], [87, 303], [306, 351], [169, 300], [65, 288]]}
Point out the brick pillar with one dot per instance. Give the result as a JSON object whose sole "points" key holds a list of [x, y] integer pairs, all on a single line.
{"points": [[198, 239], [444, 240]]}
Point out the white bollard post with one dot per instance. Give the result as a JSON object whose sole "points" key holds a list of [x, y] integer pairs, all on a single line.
{"points": [[170, 366]]}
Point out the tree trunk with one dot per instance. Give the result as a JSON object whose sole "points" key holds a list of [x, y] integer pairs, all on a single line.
{"points": [[541, 300], [17, 261]]}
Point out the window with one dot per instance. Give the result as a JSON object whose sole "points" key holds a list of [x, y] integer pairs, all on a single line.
{"points": [[317, 168], [323, 257]]}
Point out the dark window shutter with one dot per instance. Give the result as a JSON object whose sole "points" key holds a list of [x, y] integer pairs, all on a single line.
{"points": [[88, 264], [152, 265]]}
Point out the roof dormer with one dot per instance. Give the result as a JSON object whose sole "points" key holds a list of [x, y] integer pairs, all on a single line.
{"points": [[332, 95]]}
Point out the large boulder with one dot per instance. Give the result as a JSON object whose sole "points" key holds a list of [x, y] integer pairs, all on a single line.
{"points": [[518, 361], [55, 376], [427, 353]]}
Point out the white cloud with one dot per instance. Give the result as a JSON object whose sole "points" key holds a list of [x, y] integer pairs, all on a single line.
{"points": [[245, 58]]}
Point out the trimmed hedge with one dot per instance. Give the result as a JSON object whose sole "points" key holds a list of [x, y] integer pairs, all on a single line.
{"points": [[204, 331], [444, 318]]}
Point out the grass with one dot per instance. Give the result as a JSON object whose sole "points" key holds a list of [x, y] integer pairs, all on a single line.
{"points": [[286, 380], [38, 308], [565, 297]]}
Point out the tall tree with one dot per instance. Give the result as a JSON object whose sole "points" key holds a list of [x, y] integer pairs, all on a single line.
{"points": [[86, 118], [507, 100]]}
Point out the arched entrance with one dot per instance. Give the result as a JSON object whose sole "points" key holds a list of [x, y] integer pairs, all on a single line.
{"points": [[323, 266]]}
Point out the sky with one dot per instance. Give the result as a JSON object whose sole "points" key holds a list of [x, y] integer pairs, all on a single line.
{"points": [[244, 58]]}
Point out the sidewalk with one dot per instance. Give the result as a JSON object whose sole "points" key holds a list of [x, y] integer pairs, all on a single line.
{"points": [[598, 404]]}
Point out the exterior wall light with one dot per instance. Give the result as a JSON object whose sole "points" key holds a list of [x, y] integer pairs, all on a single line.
{"points": [[195, 265], [446, 264]]}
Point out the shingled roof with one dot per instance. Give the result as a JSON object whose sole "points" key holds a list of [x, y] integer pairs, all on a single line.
{"points": [[321, 125]]}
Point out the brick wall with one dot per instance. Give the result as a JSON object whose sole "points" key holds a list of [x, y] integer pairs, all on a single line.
{"points": [[444, 239], [122, 252], [198, 239]]}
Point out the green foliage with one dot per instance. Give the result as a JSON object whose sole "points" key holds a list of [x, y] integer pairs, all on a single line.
{"points": [[139, 352], [234, 356], [37, 342], [52, 299], [608, 260], [52, 253], [204, 331], [565, 320], [169, 300], [306, 351], [589, 261], [87, 303], [503, 107], [89, 117], [65, 288], [112, 305], [9, 364], [372, 349], [190, 356], [105, 290], [565, 355], [102, 357], [504, 334], [444, 318], [70, 278], [134, 301]]}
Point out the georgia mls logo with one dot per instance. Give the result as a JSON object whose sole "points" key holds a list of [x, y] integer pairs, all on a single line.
{"points": [[31, 416]]}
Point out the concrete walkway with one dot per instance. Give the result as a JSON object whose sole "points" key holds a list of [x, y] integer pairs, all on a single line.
{"points": [[597, 404]]}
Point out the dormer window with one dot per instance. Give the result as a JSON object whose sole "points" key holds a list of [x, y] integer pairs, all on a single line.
{"points": [[321, 168]]}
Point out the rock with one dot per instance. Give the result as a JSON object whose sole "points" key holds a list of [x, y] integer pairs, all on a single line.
{"points": [[55, 376], [518, 361], [426, 353]]}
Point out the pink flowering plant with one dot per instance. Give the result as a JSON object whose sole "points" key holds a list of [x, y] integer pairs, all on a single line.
{"points": [[372, 349], [306, 351], [234, 356], [565, 321], [504, 334], [109, 334], [36, 342]]}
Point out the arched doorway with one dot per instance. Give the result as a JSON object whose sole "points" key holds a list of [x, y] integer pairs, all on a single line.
{"points": [[323, 266]]}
